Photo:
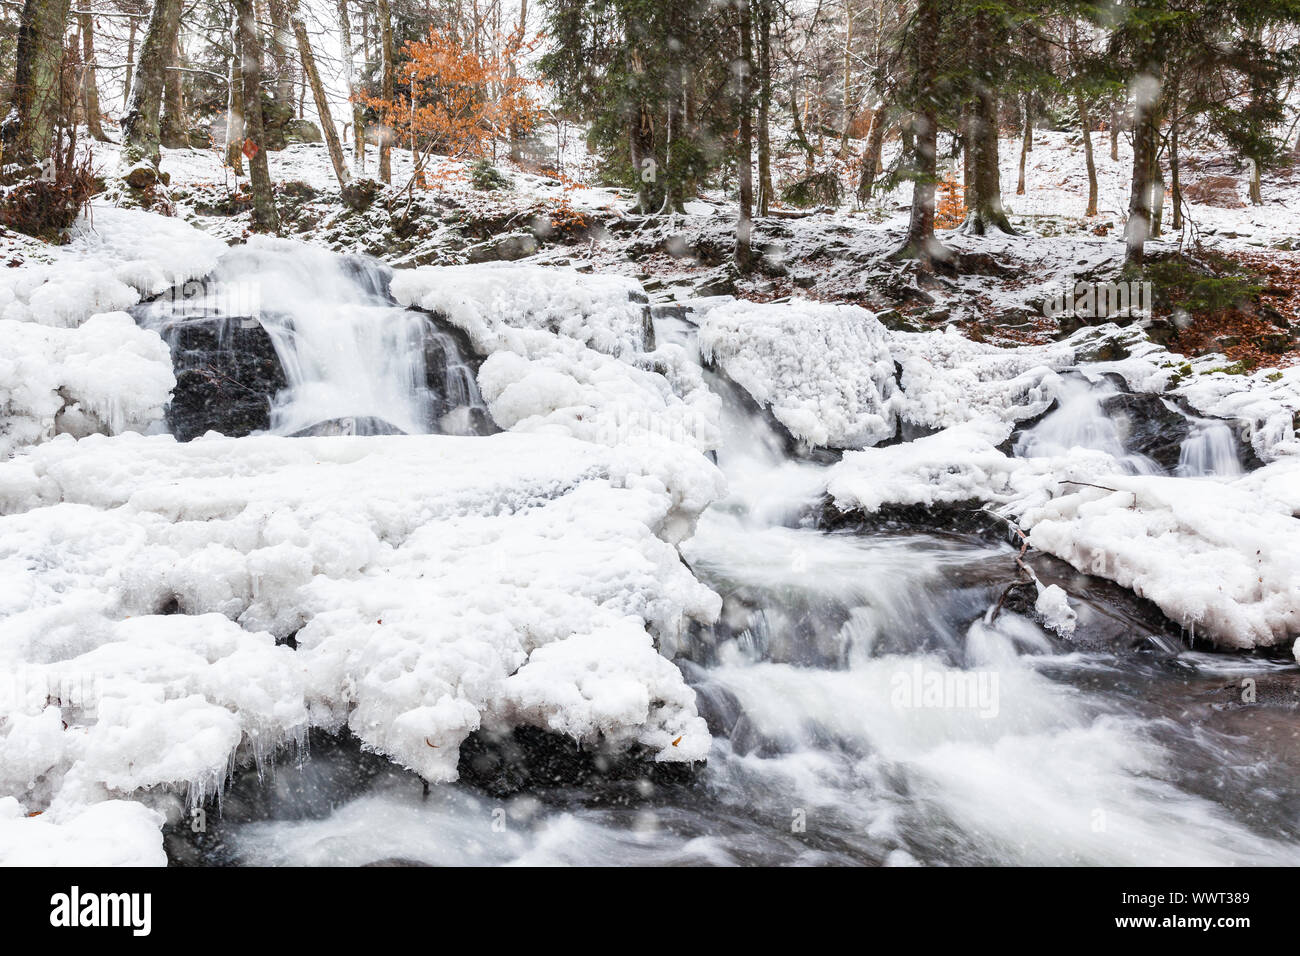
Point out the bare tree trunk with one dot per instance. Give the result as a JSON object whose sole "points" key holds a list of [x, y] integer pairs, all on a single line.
{"points": [[358, 119], [674, 173], [28, 131], [265, 216], [800, 136], [89, 81], [1085, 122], [1138, 227], [235, 101], [516, 132], [130, 62], [921, 243], [848, 71], [745, 159], [1114, 133], [172, 128], [322, 104], [141, 124], [386, 35], [1175, 173], [278, 46], [987, 213], [871, 157], [1157, 176], [764, 106], [1027, 143], [641, 145]]}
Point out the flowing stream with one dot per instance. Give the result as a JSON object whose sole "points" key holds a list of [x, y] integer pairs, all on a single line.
{"points": [[871, 700]]}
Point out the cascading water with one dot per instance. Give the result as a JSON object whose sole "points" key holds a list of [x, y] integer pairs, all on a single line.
{"points": [[873, 699], [1210, 450], [1079, 421], [354, 362]]}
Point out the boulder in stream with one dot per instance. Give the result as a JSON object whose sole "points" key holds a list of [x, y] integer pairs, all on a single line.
{"points": [[227, 373], [1148, 426]]}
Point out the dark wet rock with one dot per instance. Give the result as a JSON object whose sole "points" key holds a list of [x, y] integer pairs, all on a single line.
{"points": [[507, 761], [1110, 617], [371, 274], [507, 248], [307, 783], [1148, 426], [141, 176], [721, 281], [792, 447], [277, 116], [361, 425], [1162, 332], [1024, 425], [227, 373], [1273, 316], [896, 321], [1275, 343], [1278, 690], [961, 517], [395, 861], [672, 310]]}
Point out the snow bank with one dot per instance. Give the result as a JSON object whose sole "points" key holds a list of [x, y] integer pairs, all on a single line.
{"points": [[957, 465], [432, 584], [107, 375], [113, 833], [947, 379], [493, 302], [825, 371], [835, 377], [1219, 558], [115, 258]]}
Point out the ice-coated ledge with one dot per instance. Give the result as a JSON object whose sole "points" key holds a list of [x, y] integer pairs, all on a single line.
{"points": [[432, 584]]}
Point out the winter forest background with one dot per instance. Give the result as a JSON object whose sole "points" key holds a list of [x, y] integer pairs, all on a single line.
{"points": [[649, 432]]}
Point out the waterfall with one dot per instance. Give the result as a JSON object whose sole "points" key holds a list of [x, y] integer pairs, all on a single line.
{"points": [[353, 362], [1080, 421], [1211, 449]]}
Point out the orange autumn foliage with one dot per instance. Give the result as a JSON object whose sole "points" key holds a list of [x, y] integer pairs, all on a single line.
{"points": [[950, 210], [459, 102]]}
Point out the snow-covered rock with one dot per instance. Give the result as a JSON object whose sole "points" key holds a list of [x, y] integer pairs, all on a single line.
{"points": [[106, 375], [491, 303], [825, 371], [112, 833], [115, 257], [1218, 557], [432, 584], [568, 354], [947, 379]]}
